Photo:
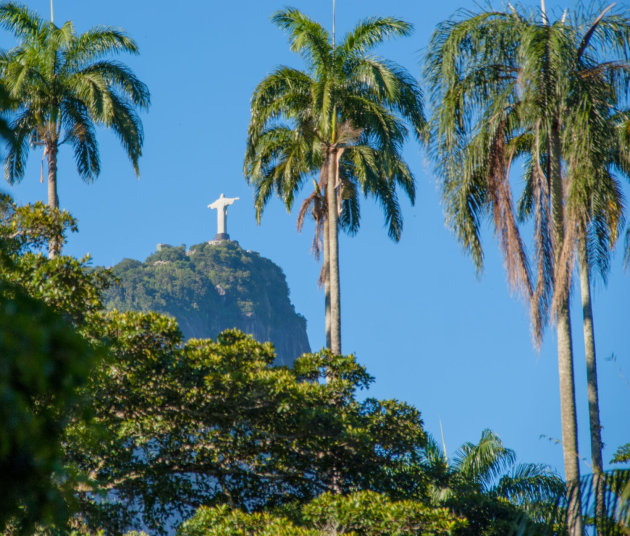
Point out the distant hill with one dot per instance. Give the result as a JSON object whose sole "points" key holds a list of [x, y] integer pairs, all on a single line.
{"points": [[213, 287]]}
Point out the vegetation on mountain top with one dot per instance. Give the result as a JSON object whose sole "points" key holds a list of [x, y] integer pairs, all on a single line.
{"points": [[210, 288]]}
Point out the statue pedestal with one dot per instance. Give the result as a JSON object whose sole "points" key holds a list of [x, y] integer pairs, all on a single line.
{"points": [[222, 238]]}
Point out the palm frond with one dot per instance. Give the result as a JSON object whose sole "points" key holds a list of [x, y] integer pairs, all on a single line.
{"points": [[22, 22], [371, 32], [307, 38], [116, 77], [82, 136], [96, 43], [485, 461], [15, 162], [610, 489]]}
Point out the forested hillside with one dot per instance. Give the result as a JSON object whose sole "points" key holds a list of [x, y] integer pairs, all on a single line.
{"points": [[212, 287]]}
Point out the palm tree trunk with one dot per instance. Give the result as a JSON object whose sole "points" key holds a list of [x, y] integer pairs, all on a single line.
{"points": [[565, 348], [327, 285], [53, 198], [569, 419], [333, 254], [591, 379]]}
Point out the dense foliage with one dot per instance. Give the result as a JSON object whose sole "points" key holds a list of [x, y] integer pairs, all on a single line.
{"points": [[112, 420], [212, 422], [358, 514], [44, 362]]}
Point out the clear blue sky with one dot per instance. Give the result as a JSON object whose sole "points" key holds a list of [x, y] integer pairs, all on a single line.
{"points": [[432, 333]]}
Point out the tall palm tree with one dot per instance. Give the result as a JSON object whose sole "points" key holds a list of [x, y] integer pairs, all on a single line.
{"points": [[511, 86], [64, 88], [594, 152], [500, 84], [345, 118]]}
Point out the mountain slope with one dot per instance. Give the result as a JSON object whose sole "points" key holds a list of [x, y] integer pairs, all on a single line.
{"points": [[212, 287]]}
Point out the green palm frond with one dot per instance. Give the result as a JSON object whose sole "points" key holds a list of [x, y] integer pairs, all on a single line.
{"points": [[373, 31], [25, 130], [96, 43], [307, 38], [610, 488], [82, 136], [22, 22], [527, 481], [116, 77], [128, 128], [485, 461]]}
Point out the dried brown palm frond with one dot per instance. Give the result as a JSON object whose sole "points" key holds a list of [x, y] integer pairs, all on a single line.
{"points": [[514, 253], [316, 202], [348, 134]]}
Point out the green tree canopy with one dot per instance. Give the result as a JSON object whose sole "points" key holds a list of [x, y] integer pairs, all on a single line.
{"points": [[212, 422], [357, 514], [44, 362]]}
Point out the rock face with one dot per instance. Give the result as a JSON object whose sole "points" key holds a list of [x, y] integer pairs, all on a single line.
{"points": [[213, 287]]}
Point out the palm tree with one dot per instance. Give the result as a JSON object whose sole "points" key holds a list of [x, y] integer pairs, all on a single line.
{"points": [[594, 152], [64, 88], [344, 118], [500, 81], [485, 483], [509, 87]]}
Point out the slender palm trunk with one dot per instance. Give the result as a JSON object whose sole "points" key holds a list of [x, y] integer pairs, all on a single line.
{"points": [[53, 198], [333, 254], [569, 418], [565, 349], [591, 379], [327, 284]]}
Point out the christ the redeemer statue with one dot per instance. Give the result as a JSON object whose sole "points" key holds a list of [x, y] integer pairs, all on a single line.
{"points": [[221, 205]]}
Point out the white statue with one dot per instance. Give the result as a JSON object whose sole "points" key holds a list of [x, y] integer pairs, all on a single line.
{"points": [[221, 205]]}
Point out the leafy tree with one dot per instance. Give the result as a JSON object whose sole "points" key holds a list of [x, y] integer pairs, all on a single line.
{"points": [[63, 283], [360, 514], [64, 88], [213, 423], [622, 454], [225, 521], [345, 117], [44, 362]]}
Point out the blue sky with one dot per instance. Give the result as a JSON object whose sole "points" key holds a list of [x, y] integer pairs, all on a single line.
{"points": [[431, 331]]}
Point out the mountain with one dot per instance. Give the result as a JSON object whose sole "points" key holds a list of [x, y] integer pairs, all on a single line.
{"points": [[212, 287]]}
